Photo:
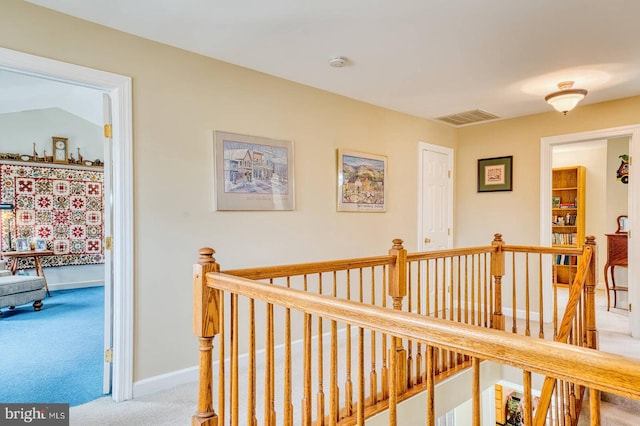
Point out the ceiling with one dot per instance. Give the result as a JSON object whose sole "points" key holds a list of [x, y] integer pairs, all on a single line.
{"points": [[428, 58]]}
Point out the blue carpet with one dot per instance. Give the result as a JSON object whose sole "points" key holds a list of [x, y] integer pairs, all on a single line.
{"points": [[55, 355]]}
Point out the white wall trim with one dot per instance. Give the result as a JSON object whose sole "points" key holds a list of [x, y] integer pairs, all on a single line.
{"points": [[166, 381], [546, 147], [119, 88]]}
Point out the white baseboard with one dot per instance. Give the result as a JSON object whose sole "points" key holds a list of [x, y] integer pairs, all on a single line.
{"points": [[77, 284], [165, 381]]}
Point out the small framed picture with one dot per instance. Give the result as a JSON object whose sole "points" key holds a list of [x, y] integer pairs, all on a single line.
{"points": [[495, 174], [60, 149], [41, 244], [555, 202], [22, 244]]}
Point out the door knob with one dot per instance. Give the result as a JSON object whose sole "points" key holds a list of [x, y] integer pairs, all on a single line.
{"points": [[427, 240]]}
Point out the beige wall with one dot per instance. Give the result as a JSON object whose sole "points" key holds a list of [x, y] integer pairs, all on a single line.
{"points": [[179, 98], [516, 214]]}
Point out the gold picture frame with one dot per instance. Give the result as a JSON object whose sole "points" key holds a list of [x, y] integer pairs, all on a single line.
{"points": [[60, 149]]}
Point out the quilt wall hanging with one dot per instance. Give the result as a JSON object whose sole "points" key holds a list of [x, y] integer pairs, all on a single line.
{"points": [[60, 205]]}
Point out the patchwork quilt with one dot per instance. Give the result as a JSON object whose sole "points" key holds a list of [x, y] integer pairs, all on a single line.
{"points": [[61, 205]]}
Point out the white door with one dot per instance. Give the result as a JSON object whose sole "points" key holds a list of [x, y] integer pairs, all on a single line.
{"points": [[108, 233], [435, 198]]}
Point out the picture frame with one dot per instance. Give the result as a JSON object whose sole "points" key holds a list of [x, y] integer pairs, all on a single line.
{"points": [[555, 202], [362, 181], [22, 244], [253, 172], [41, 244], [495, 174], [60, 150]]}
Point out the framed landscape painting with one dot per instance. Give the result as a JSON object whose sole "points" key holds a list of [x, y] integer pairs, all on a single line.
{"points": [[253, 173], [362, 179]]}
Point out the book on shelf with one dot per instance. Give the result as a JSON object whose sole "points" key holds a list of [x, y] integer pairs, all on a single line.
{"points": [[566, 259], [565, 239]]}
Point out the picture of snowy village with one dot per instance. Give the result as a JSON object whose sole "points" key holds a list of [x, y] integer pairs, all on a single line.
{"points": [[362, 183], [252, 168]]}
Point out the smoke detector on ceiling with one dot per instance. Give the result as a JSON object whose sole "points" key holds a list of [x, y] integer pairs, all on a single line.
{"points": [[338, 62]]}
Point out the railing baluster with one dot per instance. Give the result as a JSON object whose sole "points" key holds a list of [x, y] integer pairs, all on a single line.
{"points": [[514, 292], [251, 373], [306, 402], [527, 330], [409, 367], [466, 287], [475, 392], [234, 360], [269, 399], [474, 273], [430, 386], [419, 348], [333, 386], [361, 395], [288, 404], [393, 388], [373, 375], [385, 369], [348, 391], [528, 408], [540, 298], [320, 394], [221, 366], [452, 355], [486, 303]]}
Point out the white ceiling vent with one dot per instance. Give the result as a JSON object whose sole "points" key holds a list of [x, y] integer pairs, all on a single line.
{"points": [[468, 117]]}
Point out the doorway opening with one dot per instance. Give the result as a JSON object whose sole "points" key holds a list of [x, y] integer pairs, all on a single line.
{"points": [[547, 145], [119, 304]]}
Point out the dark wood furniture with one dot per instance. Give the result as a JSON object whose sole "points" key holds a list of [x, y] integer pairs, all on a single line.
{"points": [[36, 261], [616, 256]]}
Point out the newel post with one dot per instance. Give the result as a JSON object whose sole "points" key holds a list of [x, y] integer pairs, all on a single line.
{"points": [[205, 327], [497, 272], [397, 291], [590, 297]]}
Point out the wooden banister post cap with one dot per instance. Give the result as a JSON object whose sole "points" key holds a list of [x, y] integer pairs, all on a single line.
{"points": [[497, 237], [206, 256], [397, 244], [591, 239]]}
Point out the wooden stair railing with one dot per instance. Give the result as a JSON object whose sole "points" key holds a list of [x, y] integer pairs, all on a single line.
{"points": [[586, 269], [459, 285], [582, 366]]}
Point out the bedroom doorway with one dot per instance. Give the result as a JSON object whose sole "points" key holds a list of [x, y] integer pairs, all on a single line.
{"points": [[435, 197], [547, 146], [120, 307]]}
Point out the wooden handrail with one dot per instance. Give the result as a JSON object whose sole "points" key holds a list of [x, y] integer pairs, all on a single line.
{"points": [[282, 271], [573, 251], [587, 367]]}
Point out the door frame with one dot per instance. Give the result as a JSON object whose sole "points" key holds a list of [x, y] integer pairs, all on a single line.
{"points": [[449, 152], [546, 158], [119, 89]]}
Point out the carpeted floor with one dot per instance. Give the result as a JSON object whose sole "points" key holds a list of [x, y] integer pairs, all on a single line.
{"points": [[55, 355]]}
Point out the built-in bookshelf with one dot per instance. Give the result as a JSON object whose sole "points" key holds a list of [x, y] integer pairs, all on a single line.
{"points": [[567, 217]]}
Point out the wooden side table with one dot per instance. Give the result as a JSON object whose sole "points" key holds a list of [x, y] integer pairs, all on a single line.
{"points": [[36, 260]]}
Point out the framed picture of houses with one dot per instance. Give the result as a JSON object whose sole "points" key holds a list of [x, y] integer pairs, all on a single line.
{"points": [[362, 179], [253, 173]]}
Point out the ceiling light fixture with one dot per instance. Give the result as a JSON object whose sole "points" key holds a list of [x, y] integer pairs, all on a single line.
{"points": [[338, 62], [565, 99]]}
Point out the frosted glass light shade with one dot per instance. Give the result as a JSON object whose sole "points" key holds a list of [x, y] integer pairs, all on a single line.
{"points": [[567, 98]]}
